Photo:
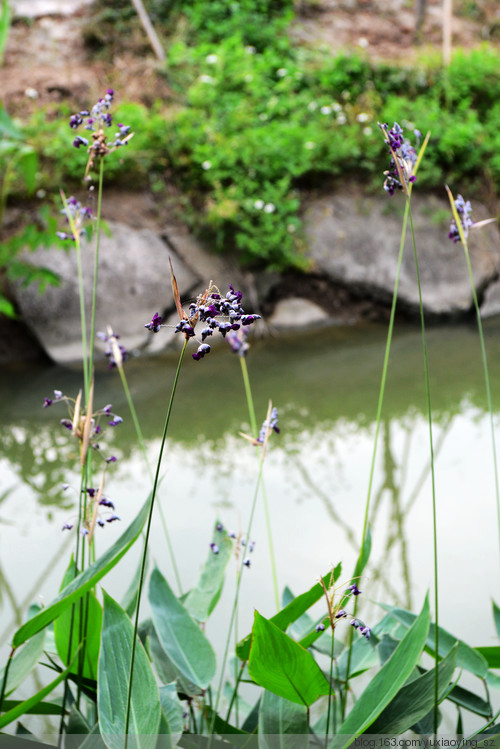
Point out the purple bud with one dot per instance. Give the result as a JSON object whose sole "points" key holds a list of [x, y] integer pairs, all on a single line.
{"points": [[46, 402], [67, 423], [249, 319], [154, 325], [114, 422], [219, 527], [340, 614], [111, 459], [247, 562], [80, 141], [58, 394], [365, 631], [354, 589], [320, 627], [251, 546], [201, 352], [214, 548], [355, 624], [67, 526], [112, 518]]}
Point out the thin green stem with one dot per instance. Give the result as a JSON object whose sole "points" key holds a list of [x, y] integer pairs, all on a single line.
{"points": [[377, 427], [254, 428], [5, 675], [248, 393], [146, 539], [96, 266], [486, 381], [142, 446], [433, 479], [236, 599], [330, 690]]}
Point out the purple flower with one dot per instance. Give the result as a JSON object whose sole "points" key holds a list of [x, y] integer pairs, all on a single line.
{"points": [[273, 425], [237, 341], [354, 589], [214, 548], [365, 631], [219, 527], [247, 562], [340, 614], [67, 423], [80, 141], [105, 502], [464, 210], [47, 402], [355, 624], [112, 518], [403, 159], [202, 351], [320, 627], [67, 526], [251, 546], [115, 421], [111, 459], [155, 324]]}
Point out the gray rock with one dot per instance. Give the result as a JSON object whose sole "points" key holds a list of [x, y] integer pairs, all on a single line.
{"points": [[354, 240], [491, 303], [134, 283], [297, 313]]}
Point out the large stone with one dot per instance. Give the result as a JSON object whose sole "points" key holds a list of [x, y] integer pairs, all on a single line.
{"points": [[134, 283], [354, 240], [297, 313]]}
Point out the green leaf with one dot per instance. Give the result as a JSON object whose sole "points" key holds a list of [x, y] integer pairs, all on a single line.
{"points": [[467, 657], [202, 599], [85, 580], [67, 628], [414, 700], [282, 666], [293, 611], [496, 617], [23, 663], [470, 701], [364, 556], [28, 166], [167, 670], [41, 708], [5, 20], [113, 680], [220, 725], [173, 710], [7, 126], [491, 654], [282, 724], [180, 637], [386, 682], [27, 705]]}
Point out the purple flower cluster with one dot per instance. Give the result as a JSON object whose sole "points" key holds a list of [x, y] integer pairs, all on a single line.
{"points": [[403, 159], [115, 352], [273, 425], [76, 214], [219, 314], [464, 210], [96, 120], [237, 339]]}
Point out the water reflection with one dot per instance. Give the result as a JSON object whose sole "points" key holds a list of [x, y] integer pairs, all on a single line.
{"points": [[326, 387]]}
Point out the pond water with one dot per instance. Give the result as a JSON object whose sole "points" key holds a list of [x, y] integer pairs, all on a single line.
{"points": [[325, 385]]}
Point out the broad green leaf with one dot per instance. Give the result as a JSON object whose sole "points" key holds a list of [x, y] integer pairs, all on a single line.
{"points": [[76, 723], [202, 599], [496, 617], [27, 705], [85, 580], [67, 628], [282, 724], [387, 682], [7, 126], [491, 654], [173, 710], [282, 666], [113, 681], [23, 662], [180, 637], [493, 680], [467, 657], [293, 611], [167, 671], [220, 725], [415, 699], [363, 657]]}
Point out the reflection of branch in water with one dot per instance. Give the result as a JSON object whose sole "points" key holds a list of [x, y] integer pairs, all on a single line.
{"points": [[349, 533], [20, 608], [398, 534]]}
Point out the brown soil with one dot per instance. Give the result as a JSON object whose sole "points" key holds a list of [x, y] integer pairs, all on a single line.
{"points": [[46, 59]]}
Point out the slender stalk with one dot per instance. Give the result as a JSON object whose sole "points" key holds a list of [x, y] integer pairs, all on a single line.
{"points": [[433, 479], [96, 265], [330, 693], [142, 446], [146, 539], [236, 596], [463, 240], [253, 425], [378, 420]]}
